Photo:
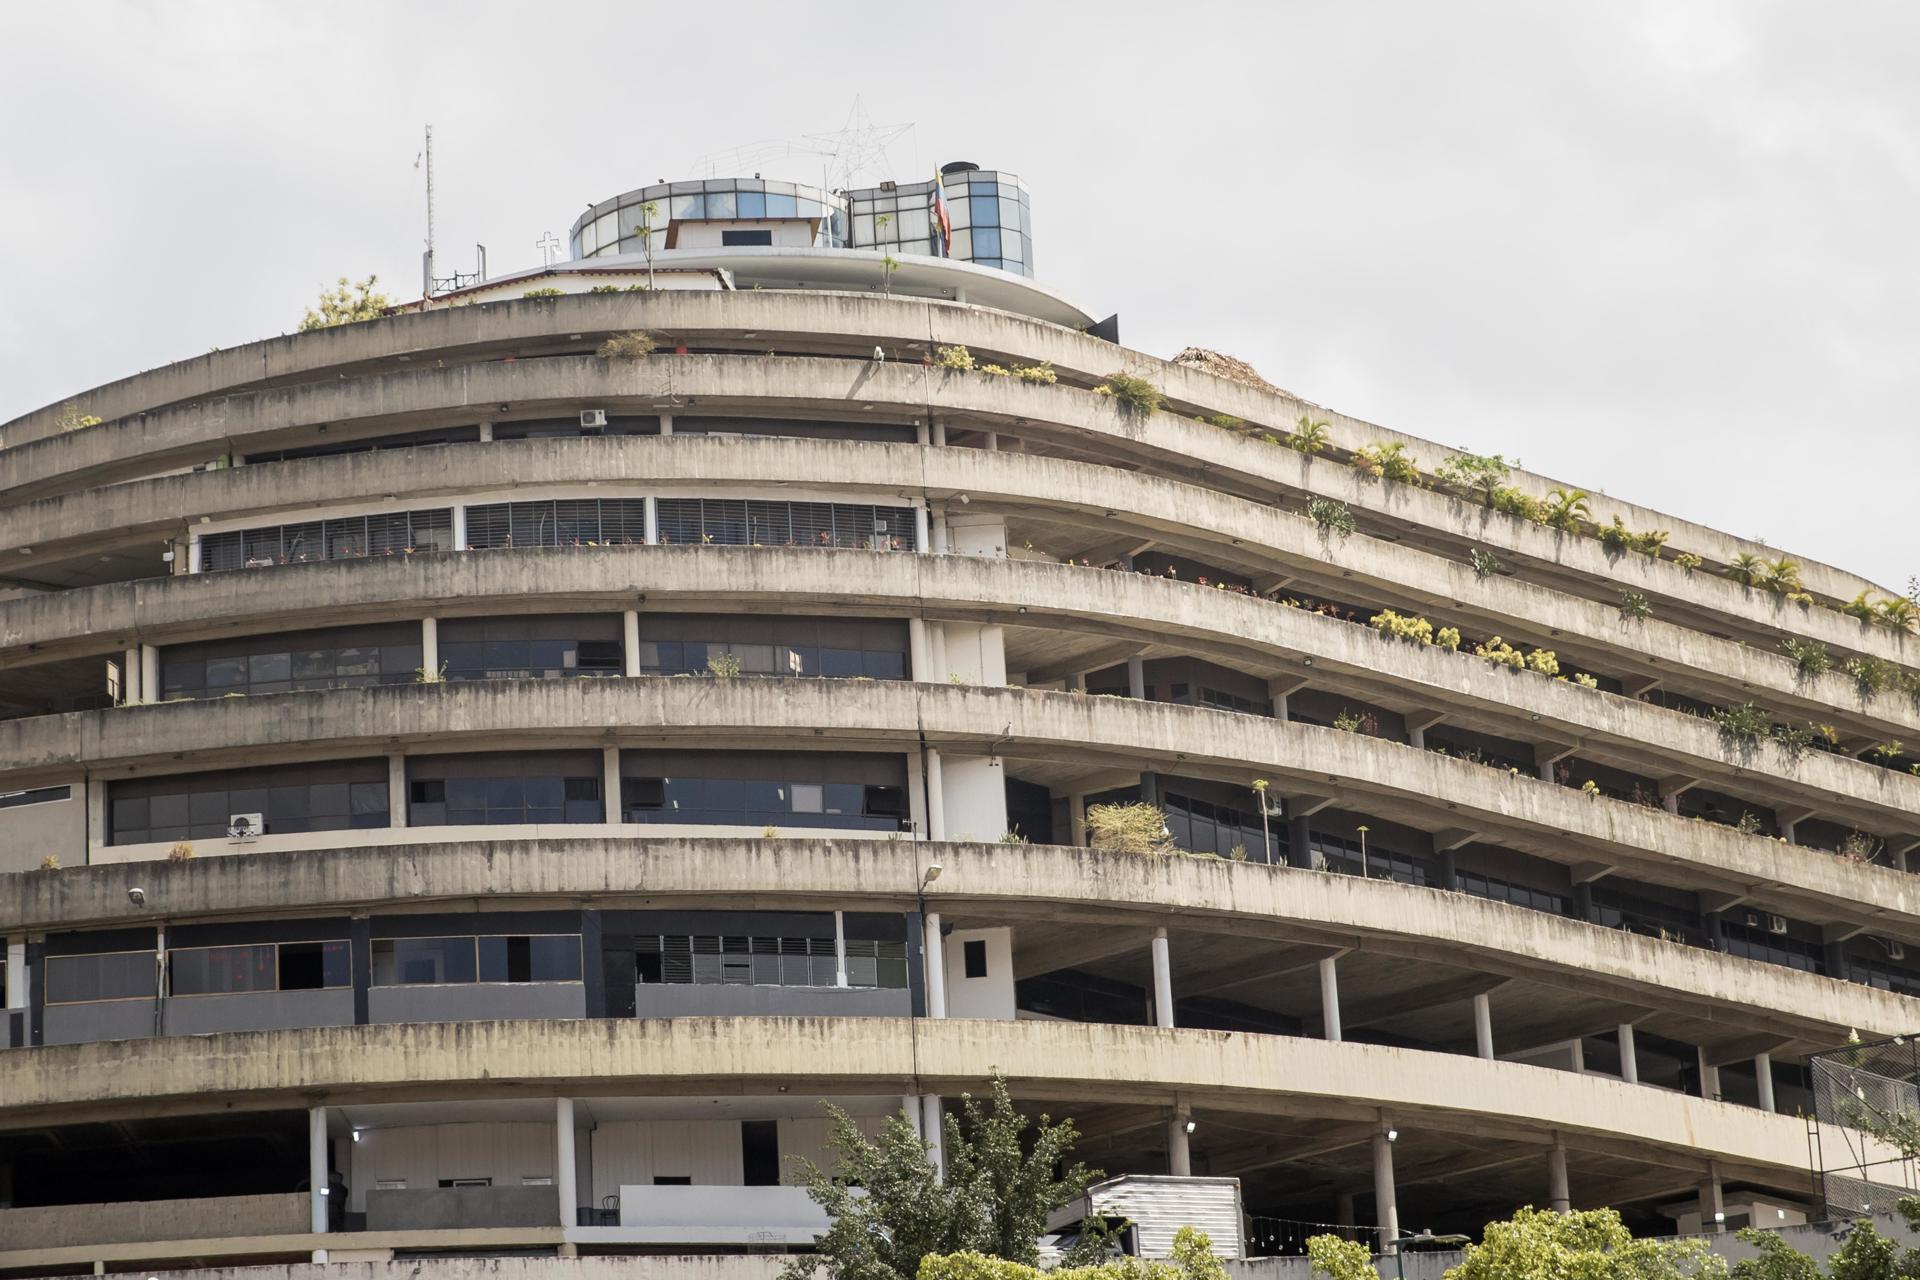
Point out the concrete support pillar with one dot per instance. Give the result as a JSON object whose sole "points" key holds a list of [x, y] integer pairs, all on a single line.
{"points": [[1713, 1208], [460, 527], [1179, 1150], [130, 678], [666, 424], [933, 1130], [1386, 1213], [1672, 801], [564, 1174], [937, 654], [933, 948], [1763, 1076], [651, 518], [840, 949], [1545, 770], [942, 543], [630, 643], [430, 645], [1330, 998], [193, 547], [149, 673], [993, 656], [96, 816], [396, 791], [1483, 1025], [993, 442], [317, 1168], [1280, 707], [939, 433], [610, 784], [921, 435], [936, 798], [1629, 1055], [1136, 679], [1559, 1199], [1162, 981], [486, 433], [1709, 1076], [919, 653], [1417, 737], [922, 531], [1787, 833], [16, 993], [1077, 819]]}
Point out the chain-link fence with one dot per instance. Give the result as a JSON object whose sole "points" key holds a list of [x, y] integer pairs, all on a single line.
{"points": [[1866, 1099]]}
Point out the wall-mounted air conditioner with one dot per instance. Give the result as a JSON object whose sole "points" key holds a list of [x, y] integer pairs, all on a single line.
{"points": [[1753, 919], [245, 826], [1776, 924], [593, 417], [1896, 950]]}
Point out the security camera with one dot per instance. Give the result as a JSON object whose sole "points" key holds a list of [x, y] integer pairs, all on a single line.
{"points": [[137, 896]]}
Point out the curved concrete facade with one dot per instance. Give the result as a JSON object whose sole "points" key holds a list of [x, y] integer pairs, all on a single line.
{"points": [[654, 748]]}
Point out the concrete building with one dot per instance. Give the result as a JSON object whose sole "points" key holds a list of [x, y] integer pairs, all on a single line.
{"points": [[463, 793]]}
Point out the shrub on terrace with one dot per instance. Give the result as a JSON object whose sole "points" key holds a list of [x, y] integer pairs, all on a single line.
{"points": [[1402, 627], [1134, 395], [1135, 827]]}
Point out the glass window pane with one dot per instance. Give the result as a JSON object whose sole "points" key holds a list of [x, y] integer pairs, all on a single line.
{"points": [[689, 207]]}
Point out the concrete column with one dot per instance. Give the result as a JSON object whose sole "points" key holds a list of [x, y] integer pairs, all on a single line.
{"points": [[1179, 1150], [993, 441], [1280, 707], [149, 673], [1545, 770], [1558, 1197], [666, 424], [922, 530], [919, 656], [1162, 981], [1629, 1055], [430, 645], [317, 1167], [396, 791], [1386, 1214], [96, 816], [839, 948], [610, 784], [1713, 1208], [933, 948], [16, 994], [933, 1131], [941, 542], [459, 526], [1787, 833], [1483, 1025], [1672, 801], [486, 433], [917, 804], [193, 549], [1763, 1075], [651, 516], [920, 434], [564, 1174], [937, 654], [1330, 998], [130, 678], [993, 655], [1077, 819], [1136, 679], [936, 798], [939, 433], [1577, 1056], [1709, 1076], [630, 642]]}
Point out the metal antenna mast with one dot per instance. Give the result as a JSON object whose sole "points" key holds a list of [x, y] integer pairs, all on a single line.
{"points": [[426, 290]]}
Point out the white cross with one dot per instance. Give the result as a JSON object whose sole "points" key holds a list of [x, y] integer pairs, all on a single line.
{"points": [[548, 245]]}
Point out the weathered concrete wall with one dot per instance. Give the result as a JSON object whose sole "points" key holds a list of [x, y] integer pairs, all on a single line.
{"points": [[1010, 881], [790, 320], [676, 1001], [459, 1208], [1011, 592], [1070, 1061], [691, 1267], [58, 1226], [1525, 813], [460, 1002]]}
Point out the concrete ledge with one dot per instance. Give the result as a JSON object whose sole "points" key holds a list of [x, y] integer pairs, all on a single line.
{"points": [[1387, 778], [164, 1245], [1208, 524], [856, 321], [57, 1226], [1071, 1062], [1634, 735], [1014, 882]]}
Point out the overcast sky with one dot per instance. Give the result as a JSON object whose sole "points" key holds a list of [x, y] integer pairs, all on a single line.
{"points": [[1663, 250]]}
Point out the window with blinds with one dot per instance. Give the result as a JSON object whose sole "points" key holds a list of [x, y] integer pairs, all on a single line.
{"points": [[347, 538], [740, 522], [716, 960], [565, 522]]}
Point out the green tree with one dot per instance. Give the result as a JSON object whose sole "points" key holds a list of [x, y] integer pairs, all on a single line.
{"points": [[1338, 1259], [346, 303], [1192, 1258], [1538, 1244], [1000, 1189], [1480, 475], [1777, 1261]]}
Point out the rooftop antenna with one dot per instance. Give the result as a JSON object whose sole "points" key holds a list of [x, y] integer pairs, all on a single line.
{"points": [[426, 265]]}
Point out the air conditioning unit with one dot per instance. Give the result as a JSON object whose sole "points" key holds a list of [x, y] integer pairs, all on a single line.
{"points": [[1776, 924], [593, 417], [1896, 950], [245, 826], [1753, 920]]}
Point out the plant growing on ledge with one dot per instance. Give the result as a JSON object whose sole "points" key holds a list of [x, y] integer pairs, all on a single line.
{"points": [[1585, 681], [1742, 725], [1134, 395], [71, 419], [956, 358], [1793, 743], [1485, 563], [50, 863], [1809, 656], [1870, 674], [1566, 510], [1858, 846], [723, 666], [1331, 516], [1688, 561], [1897, 613], [546, 293], [1476, 475], [1401, 627], [1132, 827], [346, 303], [182, 851], [1448, 638], [1889, 750], [1499, 652], [1510, 501], [431, 675], [1041, 373], [1308, 437], [1635, 605], [628, 346], [1364, 723]]}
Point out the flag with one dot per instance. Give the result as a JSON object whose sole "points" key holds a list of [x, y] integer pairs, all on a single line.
{"points": [[941, 217]]}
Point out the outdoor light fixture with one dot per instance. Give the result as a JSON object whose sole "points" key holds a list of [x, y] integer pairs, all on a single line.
{"points": [[1393, 1135], [137, 896], [356, 1135], [933, 873], [1191, 1126]]}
